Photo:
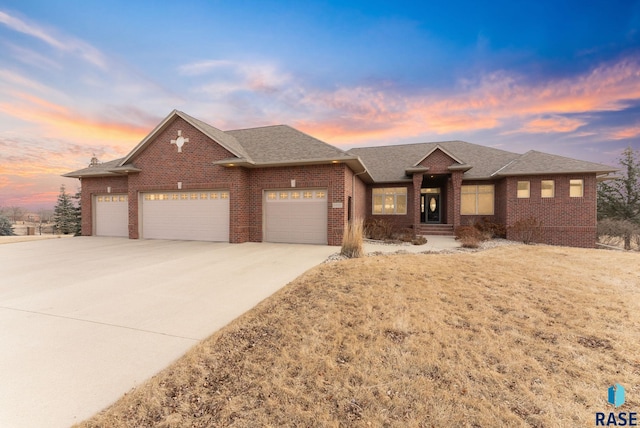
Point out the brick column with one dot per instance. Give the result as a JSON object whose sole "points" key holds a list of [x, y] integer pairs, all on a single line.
{"points": [[456, 181], [417, 185]]}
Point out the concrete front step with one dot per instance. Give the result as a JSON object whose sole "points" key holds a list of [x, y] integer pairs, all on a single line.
{"points": [[435, 229]]}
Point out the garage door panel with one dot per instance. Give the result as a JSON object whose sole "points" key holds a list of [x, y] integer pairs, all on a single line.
{"points": [[202, 216], [111, 215], [298, 216]]}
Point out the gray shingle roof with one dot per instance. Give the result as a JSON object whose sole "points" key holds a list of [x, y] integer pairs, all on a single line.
{"points": [[98, 170], [389, 163], [281, 143], [536, 163]]}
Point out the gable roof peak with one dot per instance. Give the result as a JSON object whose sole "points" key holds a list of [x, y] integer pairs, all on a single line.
{"points": [[438, 146], [225, 140]]}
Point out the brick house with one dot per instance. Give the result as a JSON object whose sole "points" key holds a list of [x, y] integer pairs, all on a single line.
{"points": [[188, 180]]}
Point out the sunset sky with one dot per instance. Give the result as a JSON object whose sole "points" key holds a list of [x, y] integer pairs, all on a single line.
{"points": [[83, 77]]}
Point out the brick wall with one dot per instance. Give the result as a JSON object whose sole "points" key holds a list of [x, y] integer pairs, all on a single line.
{"points": [[565, 220], [163, 167], [333, 177], [97, 186], [398, 221]]}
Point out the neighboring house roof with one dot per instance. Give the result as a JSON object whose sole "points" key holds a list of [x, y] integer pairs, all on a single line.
{"points": [[391, 163]]}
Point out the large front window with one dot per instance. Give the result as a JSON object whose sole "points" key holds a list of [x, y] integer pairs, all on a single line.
{"points": [[390, 200], [477, 199]]}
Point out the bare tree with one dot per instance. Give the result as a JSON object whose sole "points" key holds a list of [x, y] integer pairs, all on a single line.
{"points": [[15, 213]]}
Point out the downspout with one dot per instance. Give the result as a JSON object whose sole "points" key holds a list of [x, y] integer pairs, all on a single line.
{"points": [[353, 194]]}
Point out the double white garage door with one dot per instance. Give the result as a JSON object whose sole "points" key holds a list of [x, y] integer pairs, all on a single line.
{"points": [[294, 216]]}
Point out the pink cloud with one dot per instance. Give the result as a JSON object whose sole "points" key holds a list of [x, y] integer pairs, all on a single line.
{"points": [[630, 132], [500, 101]]}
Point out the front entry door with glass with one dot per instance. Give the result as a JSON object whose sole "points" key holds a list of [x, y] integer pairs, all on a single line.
{"points": [[430, 208]]}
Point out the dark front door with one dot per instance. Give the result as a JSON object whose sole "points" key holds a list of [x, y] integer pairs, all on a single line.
{"points": [[430, 209]]}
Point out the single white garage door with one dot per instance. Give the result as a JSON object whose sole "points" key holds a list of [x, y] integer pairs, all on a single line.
{"points": [[187, 216], [296, 216], [111, 215]]}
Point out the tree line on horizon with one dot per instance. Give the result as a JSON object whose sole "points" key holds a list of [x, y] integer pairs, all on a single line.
{"points": [[63, 219]]}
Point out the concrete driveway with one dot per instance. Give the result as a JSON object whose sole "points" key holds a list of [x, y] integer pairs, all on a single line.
{"points": [[84, 320]]}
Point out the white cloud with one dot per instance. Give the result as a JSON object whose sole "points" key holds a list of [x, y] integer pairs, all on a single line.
{"points": [[59, 42]]}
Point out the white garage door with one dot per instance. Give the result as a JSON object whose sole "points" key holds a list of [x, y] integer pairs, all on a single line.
{"points": [[296, 216], [190, 216], [111, 215]]}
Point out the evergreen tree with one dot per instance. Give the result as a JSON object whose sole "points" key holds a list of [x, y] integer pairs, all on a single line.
{"points": [[78, 213], [6, 229], [64, 214], [620, 198]]}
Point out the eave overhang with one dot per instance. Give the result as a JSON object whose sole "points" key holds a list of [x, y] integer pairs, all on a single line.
{"points": [[353, 162]]}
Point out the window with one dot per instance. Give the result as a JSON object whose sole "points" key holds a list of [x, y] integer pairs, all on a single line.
{"points": [[320, 195], [477, 199], [184, 196], [576, 188], [224, 195], [204, 196], [284, 195], [547, 189], [307, 195], [524, 189], [390, 200], [295, 195]]}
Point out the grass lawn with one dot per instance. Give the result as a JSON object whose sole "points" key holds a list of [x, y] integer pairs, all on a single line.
{"points": [[513, 336]]}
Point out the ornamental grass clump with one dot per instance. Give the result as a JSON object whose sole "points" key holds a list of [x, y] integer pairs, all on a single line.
{"points": [[352, 240]]}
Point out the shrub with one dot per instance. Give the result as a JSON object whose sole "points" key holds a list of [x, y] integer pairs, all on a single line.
{"points": [[470, 241], [464, 232], [419, 240], [352, 240], [378, 229], [493, 230], [624, 229], [527, 231]]}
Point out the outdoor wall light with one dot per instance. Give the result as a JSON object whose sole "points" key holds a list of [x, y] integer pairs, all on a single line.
{"points": [[108, 189], [293, 183], [179, 185]]}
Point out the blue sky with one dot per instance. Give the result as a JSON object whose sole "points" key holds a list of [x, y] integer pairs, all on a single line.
{"points": [[84, 77]]}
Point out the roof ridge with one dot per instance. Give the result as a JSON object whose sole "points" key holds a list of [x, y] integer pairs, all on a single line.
{"points": [[257, 127]]}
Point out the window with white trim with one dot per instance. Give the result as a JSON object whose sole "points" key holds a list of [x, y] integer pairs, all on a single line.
{"points": [[477, 199], [576, 188], [390, 200]]}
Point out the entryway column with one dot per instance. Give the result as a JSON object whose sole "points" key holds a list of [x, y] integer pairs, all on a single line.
{"points": [[417, 185], [456, 181]]}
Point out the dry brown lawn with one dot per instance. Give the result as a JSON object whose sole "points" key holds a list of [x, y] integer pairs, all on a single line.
{"points": [[513, 336]]}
